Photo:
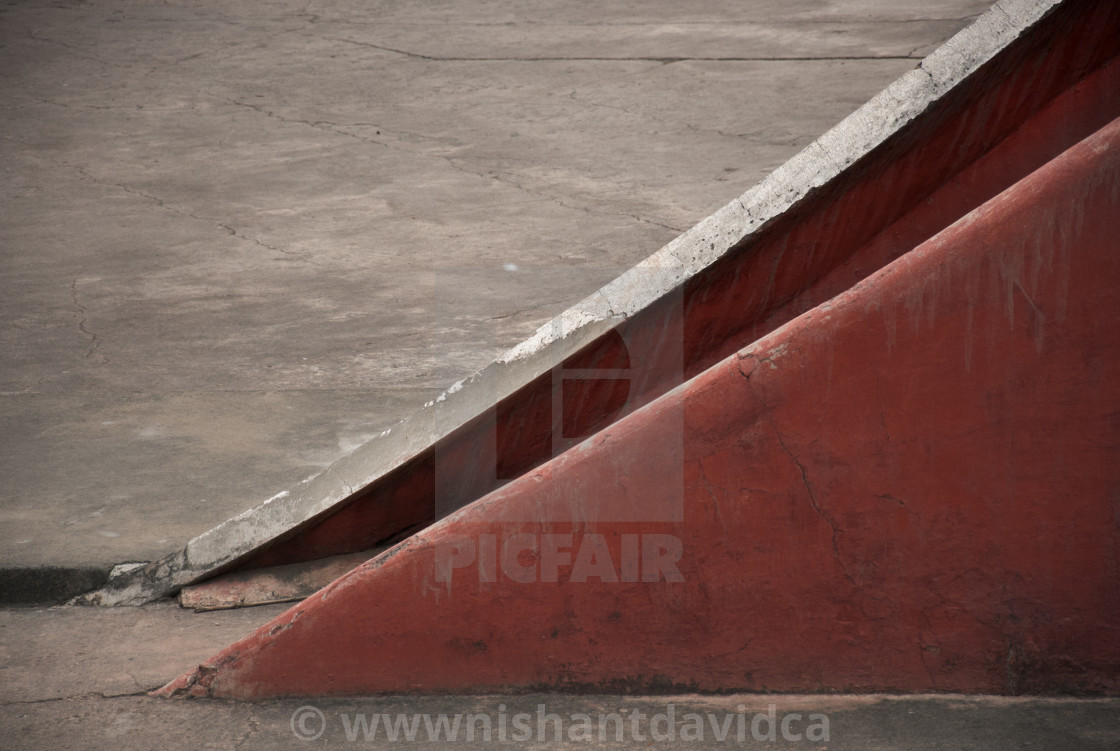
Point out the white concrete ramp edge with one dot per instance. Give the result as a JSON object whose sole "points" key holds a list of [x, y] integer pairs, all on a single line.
{"points": [[821, 162]]}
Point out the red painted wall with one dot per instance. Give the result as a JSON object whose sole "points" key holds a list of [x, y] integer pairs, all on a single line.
{"points": [[912, 487]]}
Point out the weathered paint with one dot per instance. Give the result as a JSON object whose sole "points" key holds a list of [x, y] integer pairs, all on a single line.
{"points": [[910, 487]]}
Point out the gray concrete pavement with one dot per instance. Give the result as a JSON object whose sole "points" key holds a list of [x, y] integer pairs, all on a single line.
{"points": [[57, 653], [75, 678], [237, 241], [855, 723]]}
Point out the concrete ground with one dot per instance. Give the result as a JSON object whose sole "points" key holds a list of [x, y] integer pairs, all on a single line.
{"points": [[238, 239], [75, 678]]}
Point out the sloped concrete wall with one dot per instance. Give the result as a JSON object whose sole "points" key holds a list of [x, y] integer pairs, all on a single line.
{"points": [[910, 487]]}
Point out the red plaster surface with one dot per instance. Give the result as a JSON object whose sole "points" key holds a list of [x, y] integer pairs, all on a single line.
{"points": [[911, 487]]}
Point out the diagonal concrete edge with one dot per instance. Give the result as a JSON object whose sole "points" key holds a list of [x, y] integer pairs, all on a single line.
{"points": [[907, 488], [822, 162]]}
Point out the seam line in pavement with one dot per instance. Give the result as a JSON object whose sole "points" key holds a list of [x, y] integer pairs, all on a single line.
{"points": [[639, 59]]}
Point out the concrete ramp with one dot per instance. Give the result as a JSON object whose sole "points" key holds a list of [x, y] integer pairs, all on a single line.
{"points": [[910, 487], [1021, 85]]}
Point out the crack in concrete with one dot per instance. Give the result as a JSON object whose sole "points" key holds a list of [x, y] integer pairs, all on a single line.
{"points": [[511, 315], [835, 531], [1009, 669], [238, 235], [664, 60], [711, 495], [139, 685], [512, 183], [337, 128], [330, 469], [1007, 16], [100, 107], [312, 18], [901, 502], [813, 500], [324, 125], [757, 135], [914, 51], [451, 160], [94, 344], [80, 50], [254, 728], [889, 497], [801, 467], [77, 697], [800, 22], [923, 649], [178, 60], [161, 203]]}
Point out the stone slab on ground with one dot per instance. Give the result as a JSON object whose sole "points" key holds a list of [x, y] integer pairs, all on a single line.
{"points": [[290, 583]]}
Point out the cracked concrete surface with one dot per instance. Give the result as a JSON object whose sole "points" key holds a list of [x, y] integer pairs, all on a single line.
{"points": [[61, 653], [826, 518], [238, 242]]}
